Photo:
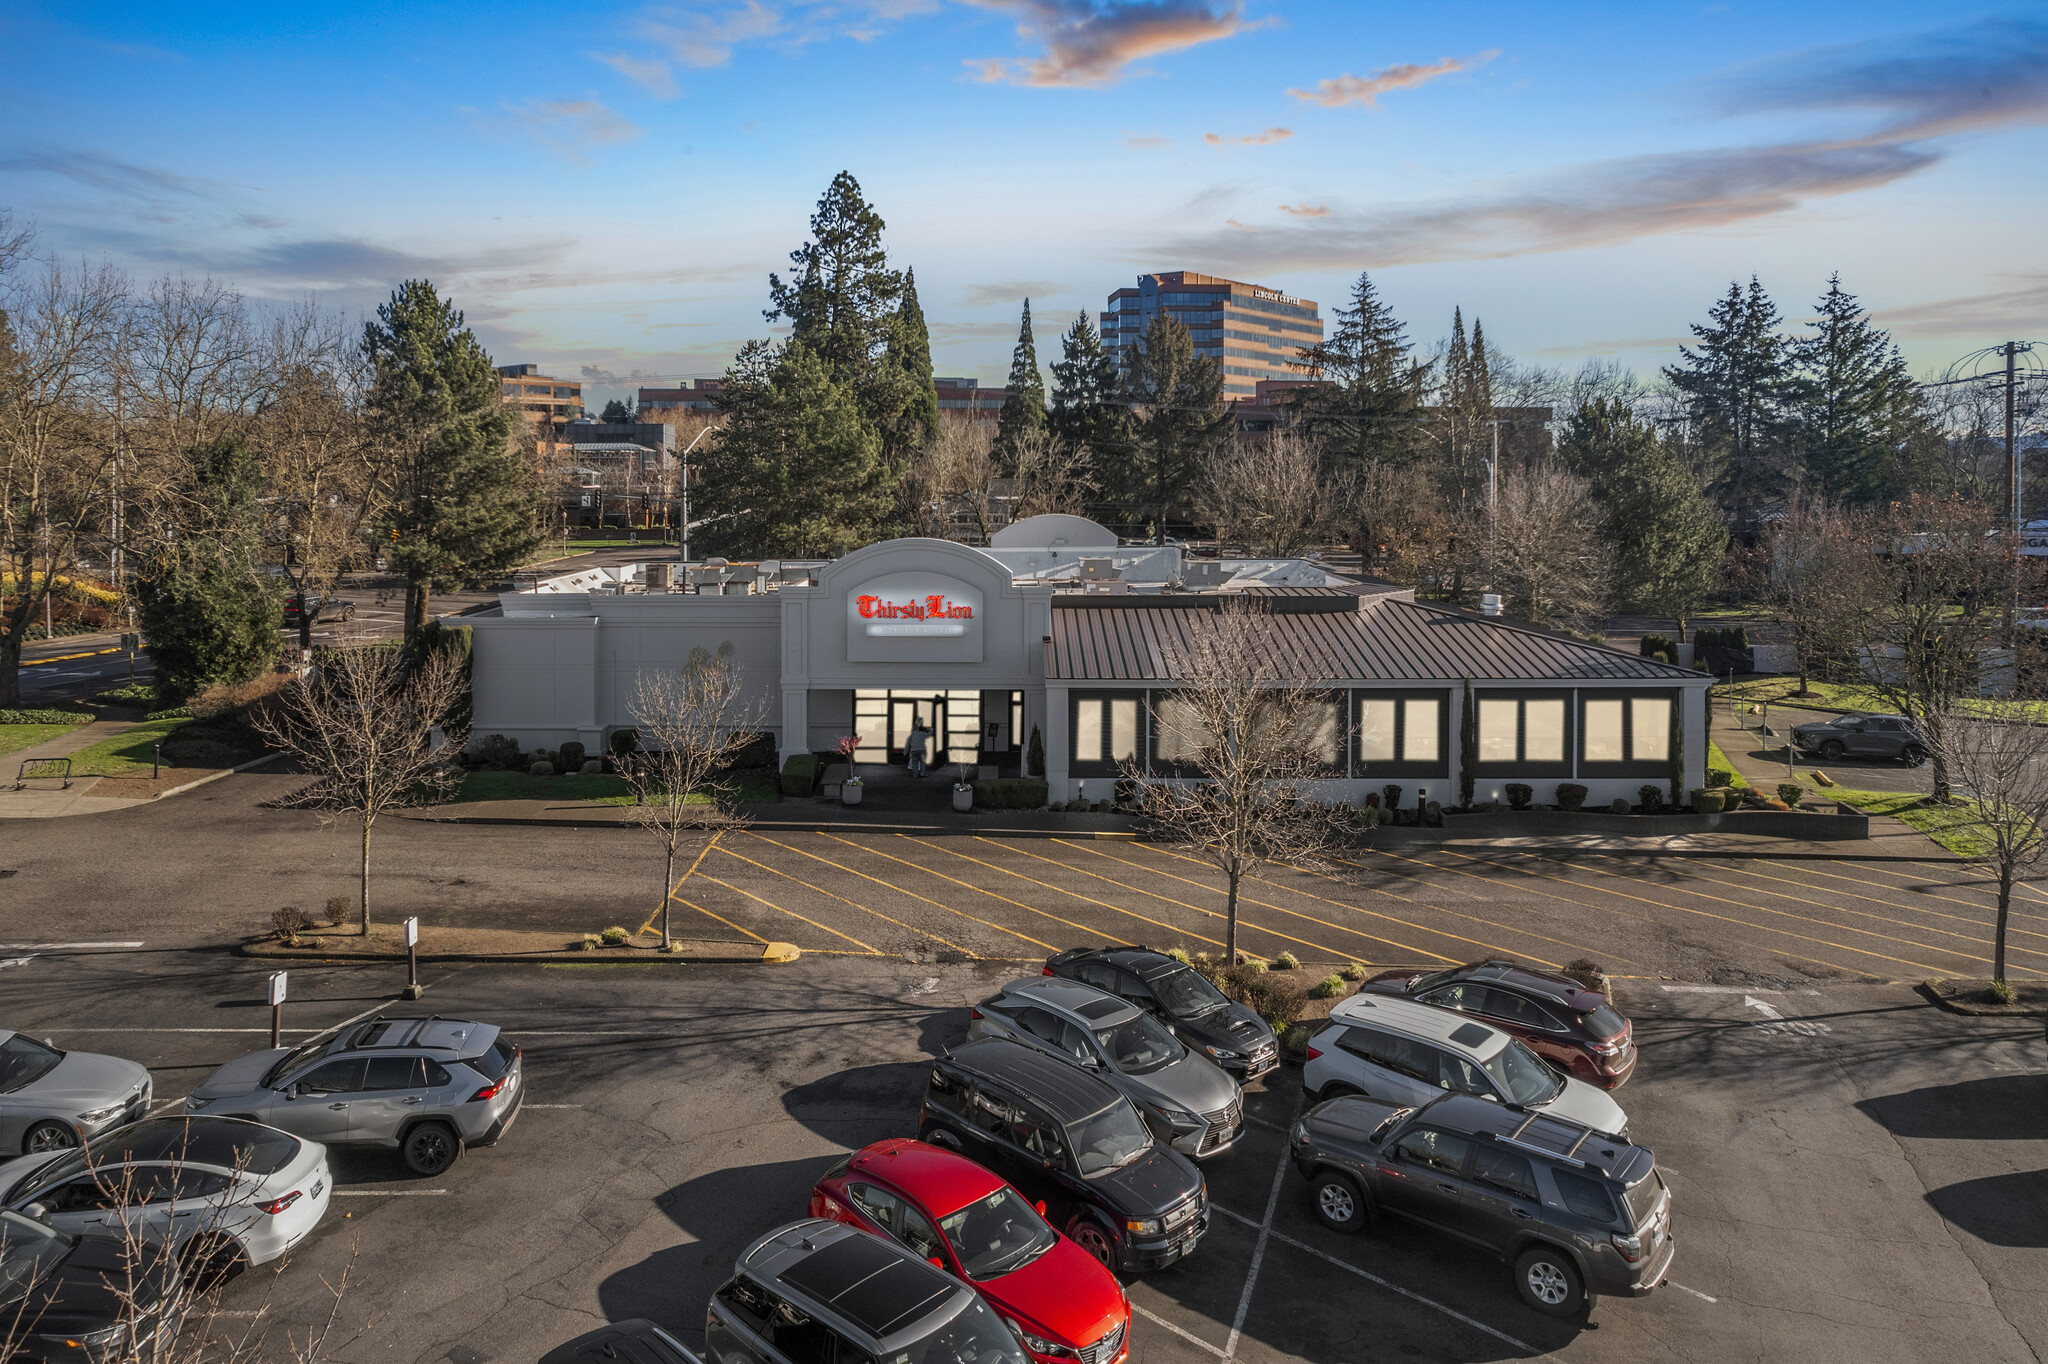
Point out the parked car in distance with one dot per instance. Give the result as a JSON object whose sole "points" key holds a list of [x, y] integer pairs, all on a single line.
{"points": [[1186, 1097], [633, 1341], [77, 1300], [1862, 736], [1066, 1138], [820, 1292], [1555, 1016], [1226, 1032], [324, 609], [51, 1099], [218, 1191], [1575, 1211], [429, 1087], [1063, 1304], [1408, 1053]]}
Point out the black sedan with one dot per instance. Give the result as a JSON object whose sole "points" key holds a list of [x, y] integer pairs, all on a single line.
{"points": [[68, 1298], [323, 609], [1229, 1034]]}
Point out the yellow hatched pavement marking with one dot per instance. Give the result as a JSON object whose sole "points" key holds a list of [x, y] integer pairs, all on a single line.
{"points": [[985, 923], [1057, 890], [919, 932], [648, 927], [1915, 881], [791, 913], [722, 919], [978, 890]]}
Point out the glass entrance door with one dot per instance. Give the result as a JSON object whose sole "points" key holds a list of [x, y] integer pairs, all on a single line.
{"points": [[904, 712]]}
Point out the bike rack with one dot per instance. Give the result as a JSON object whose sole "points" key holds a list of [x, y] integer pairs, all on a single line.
{"points": [[45, 768]]}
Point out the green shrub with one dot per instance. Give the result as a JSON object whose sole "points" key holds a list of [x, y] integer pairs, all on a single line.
{"points": [[1294, 1041], [170, 713], [541, 769], [1791, 792], [1719, 776], [1391, 795], [134, 694], [1179, 954], [1659, 647], [1285, 961], [499, 749], [623, 742], [571, 757], [1034, 755], [46, 717], [1010, 793], [586, 943], [1254, 967], [1329, 987], [1353, 971], [287, 921], [338, 907], [1619, 805], [800, 774], [1520, 794], [757, 751], [1570, 796], [614, 936], [1998, 992], [1709, 800]]}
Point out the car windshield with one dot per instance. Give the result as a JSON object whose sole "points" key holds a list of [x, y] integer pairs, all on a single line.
{"points": [[1603, 1022], [1140, 1045], [1522, 1076], [28, 1250], [63, 1167], [1434, 978], [976, 1336], [301, 1056], [23, 1061], [997, 1234], [1183, 993], [1110, 1140]]}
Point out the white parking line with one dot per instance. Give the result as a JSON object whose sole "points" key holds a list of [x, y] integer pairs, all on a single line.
{"points": [[16, 961], [551, 1105], [1189, 1336], [1370, 1277], [1729, 990], [1694, 1291], [388, 1193], [1251, 1278], [58, 946]]}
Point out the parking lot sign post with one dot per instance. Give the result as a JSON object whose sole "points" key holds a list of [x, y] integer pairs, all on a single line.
{"points": [[277, 1008], [413, 988], [131, 642]]}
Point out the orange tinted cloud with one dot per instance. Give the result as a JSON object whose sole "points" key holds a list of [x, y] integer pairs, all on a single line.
{"points": [[1306, 210], [1271, 135], [1094, 42], [1366, 90]]}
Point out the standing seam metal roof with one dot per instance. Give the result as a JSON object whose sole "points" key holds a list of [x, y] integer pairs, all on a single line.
{"points": [[1385, 640]]}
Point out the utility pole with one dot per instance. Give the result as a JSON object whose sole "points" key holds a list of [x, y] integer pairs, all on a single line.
{"points": [[2012, 451]]}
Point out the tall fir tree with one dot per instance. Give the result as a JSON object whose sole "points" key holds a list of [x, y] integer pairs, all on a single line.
{"points": [[910, 347], [1467, 408], [1370, 398], [1023, 395], [1087, 395], [1856, 404], [463, 499], [1735, 387], [1177, 397]]}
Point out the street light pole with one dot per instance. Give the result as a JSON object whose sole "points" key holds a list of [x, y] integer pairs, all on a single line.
{"points": [[685, 530]]}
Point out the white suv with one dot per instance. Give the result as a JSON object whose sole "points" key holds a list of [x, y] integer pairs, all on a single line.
{"points": [[1408, 1053]]}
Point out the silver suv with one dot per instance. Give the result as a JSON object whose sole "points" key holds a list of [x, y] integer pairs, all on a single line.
{"points": [[430, 1087], [1191, 1104]]}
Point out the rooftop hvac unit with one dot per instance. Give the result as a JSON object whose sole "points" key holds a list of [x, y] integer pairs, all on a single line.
{"points": [[1489, 603]]}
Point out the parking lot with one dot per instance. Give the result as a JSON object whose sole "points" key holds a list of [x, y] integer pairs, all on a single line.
{"points": [[1856, 1173]]}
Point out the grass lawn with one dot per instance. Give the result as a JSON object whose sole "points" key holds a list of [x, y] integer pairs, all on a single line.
{"points": [[14, 738], [124, 755], [1844, 696], [1717, 761], [599, 789], [1955, 827]]}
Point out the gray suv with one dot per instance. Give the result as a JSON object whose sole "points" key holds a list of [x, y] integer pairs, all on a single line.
{"points": [[1188, 1100], [430, 1087], [1862, 736], [1576, 1212]]}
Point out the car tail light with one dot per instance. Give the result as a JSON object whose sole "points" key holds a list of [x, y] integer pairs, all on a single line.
{"points": [[490, 1091], [974, 1013], [278, 1205], [1631, 1247], [1314, 1051], [1047, 971]]}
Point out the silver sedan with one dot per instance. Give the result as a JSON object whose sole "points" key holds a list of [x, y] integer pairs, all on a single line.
{"points": [[51, 1100]]}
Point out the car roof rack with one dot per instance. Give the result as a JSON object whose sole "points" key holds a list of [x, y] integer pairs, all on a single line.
{"points": [[1570, 1154]]}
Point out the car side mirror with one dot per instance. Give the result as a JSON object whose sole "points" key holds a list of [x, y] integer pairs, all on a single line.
{"points": [[935, 1261], [1040, 1205], [36, 1211]]}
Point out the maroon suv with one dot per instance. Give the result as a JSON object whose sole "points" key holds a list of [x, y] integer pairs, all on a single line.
{"points": [[1560, 1019]]}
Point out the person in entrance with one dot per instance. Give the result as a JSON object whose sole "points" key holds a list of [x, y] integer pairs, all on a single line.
{"points": [[914, 748]]}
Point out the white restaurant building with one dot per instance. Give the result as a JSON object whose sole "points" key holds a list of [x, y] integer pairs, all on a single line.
{"points": [[1057, 628]]}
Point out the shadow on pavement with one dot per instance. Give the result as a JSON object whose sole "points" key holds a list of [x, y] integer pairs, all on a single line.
{"points": [[864, 1104], [2005, 1210], [1996, 1108]]}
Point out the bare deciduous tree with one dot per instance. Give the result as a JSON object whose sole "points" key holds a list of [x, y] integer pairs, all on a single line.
{"points": [[1818, 571], [1250, 738], [2001, 771], [690, 725], [1266, 492], [1054, 475], [364, 724], [951, 487], [1545, 556]]}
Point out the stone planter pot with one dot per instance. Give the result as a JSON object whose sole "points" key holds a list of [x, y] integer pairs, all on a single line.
{"points": [[849, 792], [963, 796]]}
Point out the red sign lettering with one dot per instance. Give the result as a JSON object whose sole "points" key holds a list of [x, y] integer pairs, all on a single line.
{"points": [[933, 607]]}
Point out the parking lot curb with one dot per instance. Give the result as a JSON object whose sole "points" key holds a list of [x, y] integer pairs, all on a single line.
{"points": [[1945, 994], [768, 954]]}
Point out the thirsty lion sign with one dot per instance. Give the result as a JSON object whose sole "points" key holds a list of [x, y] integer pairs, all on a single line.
{"points": [[903, 615]]}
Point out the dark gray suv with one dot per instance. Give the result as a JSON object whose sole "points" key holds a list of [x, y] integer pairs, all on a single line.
{"points": [[1575, 1211], [1862, 736]]}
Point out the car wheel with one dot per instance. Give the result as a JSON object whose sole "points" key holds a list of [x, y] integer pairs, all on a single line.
{"points": [[1338, 1091], [431, 1148], [1549, 1282], [209, 1261], [1914, 756], [1833, 751], [1339, 1204], [1089, 1234], [941, 1137], [48, 1136]]}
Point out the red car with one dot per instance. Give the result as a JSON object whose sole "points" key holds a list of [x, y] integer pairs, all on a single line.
{"points": [[1064, 1306], [1561, 1020]]}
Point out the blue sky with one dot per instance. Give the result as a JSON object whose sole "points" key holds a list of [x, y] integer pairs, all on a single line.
{"points": [[607, 185]]}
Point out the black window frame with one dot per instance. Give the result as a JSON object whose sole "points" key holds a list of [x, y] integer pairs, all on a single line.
{"points": [[1484, 1150], [1521, 766], [1400, 767], [1140, 751], [1154, 764], [1629, 766]]}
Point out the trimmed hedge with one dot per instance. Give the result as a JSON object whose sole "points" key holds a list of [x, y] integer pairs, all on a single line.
{"points": [[800, 774], [1010, 793], [45, 717]]}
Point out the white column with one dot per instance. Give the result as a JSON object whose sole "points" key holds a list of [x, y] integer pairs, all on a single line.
{"points": [[796, 722]]}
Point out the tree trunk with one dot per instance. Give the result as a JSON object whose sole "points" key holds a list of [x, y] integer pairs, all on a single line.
{"points": [[365, 876], [418, 596], [10, 670], [1230, 918], [1998, 935], [668, 886]]}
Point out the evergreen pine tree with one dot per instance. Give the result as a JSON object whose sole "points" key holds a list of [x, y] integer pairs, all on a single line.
{"points": [[1855, 402], [1023, 396], [616, 411], [463, 498], [911, 349], [1735, 386], [1179, 419], [206, 606], [1087, 397], [1369, 402]]}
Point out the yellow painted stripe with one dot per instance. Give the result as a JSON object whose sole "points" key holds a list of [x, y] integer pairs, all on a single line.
{"points": [[985, 923], [757, 899], [920, 932]]}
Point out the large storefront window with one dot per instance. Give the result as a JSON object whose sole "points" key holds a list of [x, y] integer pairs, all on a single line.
{"points": [[1624, 735], [1104, 729], [884, 718], [1400, 734], [1524, 734]]}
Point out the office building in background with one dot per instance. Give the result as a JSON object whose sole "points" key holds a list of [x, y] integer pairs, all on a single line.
{"points": [[1253, 332]]}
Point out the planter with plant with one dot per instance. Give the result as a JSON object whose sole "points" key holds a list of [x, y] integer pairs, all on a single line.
{"points": [[1791, 792], [614, 936], [1570, 796], [1520, 795]]}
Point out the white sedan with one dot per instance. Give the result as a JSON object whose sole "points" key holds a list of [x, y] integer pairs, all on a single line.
{"points": [[51, 1099]]}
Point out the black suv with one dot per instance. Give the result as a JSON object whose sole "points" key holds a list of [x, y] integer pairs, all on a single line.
{"points": [[81, 1300], [817, 1291], [1575, 1211], [1862, 736], [1231, 1035], [1075, 1146]]}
